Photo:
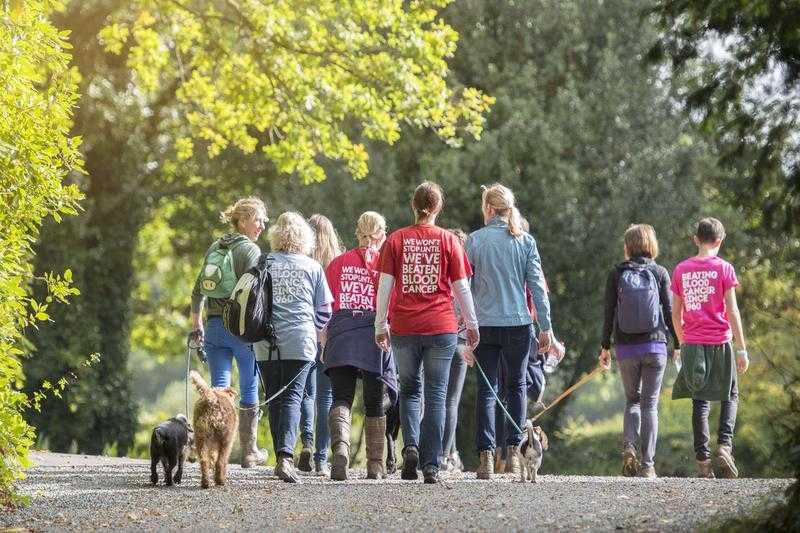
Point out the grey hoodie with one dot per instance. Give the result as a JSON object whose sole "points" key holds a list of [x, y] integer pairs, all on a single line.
{"points": [[245, 256]]}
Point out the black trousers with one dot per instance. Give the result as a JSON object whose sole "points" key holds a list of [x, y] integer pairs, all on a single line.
{"points": [[343, 385]]}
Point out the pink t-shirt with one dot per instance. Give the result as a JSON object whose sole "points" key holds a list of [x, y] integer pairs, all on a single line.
{"points": [[701, 283]]}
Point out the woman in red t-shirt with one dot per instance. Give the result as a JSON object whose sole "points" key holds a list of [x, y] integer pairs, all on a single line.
{"points": [[350, 350], [421, 263]]}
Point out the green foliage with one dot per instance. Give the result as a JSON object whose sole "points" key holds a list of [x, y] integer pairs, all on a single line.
{"points": [[735, 66], [299, 80], [37, 94]]}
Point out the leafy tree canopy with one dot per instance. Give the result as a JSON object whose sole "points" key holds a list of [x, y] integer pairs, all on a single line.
{"points": [[737, 65], [299, 80]]}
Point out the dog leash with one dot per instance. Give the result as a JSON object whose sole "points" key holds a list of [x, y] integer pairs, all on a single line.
{"points": [[575, 386], [500, 403], [281, 391]]}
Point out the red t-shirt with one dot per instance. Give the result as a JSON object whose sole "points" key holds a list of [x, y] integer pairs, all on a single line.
{"points": [[424, 259], [353, 279]]}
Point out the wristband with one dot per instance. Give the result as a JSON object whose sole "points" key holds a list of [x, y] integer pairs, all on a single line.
{"points": [[742, 353]]}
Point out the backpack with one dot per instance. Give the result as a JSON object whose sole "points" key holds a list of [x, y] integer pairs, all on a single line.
{"points": [[218, 277], [247, 313], [638, 302]]}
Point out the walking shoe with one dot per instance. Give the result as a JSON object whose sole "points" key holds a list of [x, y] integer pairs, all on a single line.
{"points": [[410, 462], [725, 462], [486, 468], [630, 464], [512, 461], [430, 474], [322, 469], [284, 469], [499, 464], [704, 468], [647, 472], [304, 462]]}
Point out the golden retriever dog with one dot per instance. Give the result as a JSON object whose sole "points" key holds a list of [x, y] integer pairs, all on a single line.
{"points": [[216, 417]]}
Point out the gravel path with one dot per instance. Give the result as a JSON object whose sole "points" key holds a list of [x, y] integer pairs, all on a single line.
{"points": [[89, 493]]}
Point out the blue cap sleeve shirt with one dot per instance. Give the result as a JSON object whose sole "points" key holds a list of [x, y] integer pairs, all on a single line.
{"points": [[299, 288], [503, 266]]}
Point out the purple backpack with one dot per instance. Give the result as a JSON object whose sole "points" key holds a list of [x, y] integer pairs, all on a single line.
{"points": [[638, 304]]}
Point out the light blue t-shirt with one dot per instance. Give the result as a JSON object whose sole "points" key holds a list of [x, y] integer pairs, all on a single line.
{"points": [[502, 267], [298, 290]]}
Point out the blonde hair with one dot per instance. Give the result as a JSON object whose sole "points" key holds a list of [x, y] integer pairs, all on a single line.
{"points": [[242, 210], [326, 240], [640, 241], [501, 199], [291, 234], [369, 223]]}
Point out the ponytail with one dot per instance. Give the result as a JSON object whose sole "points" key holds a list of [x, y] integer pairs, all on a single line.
{"points": [[515, 223], [501, 199]]}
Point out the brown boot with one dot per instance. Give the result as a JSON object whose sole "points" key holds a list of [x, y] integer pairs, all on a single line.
{"points": [[704, 469], [376, 433], [499, 464], [486, 468], [339, 422], [512, 461], [248, 429], [726, 463]]}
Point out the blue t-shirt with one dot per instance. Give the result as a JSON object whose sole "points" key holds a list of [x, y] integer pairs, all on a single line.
{"points": [[298, 290]]}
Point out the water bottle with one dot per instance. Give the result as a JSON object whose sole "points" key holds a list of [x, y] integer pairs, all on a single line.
{"points": [[554, 356]]}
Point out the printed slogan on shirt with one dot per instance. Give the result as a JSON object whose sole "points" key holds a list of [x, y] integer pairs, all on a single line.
{"points": [[697, 288], [421, 265], [356, 288]]}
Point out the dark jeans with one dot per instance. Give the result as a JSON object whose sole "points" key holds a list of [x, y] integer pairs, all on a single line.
{"points": [[510, 345], [458, 373], [343, 385], [727, 422], [284, 411], [314, 412], [641, 378]]}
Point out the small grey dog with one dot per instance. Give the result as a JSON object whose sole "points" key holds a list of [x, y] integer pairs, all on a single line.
{"points": [[531, 451], [170, 444]]}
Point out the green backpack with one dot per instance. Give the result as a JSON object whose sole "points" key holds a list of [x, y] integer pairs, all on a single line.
{"points": [[218, 278]]}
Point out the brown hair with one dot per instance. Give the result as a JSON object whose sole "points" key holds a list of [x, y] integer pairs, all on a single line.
{"points": [[459, 233], [428, 199], [242, 210], [640, 241], [501, 199], [326, 240], [709, 231]]}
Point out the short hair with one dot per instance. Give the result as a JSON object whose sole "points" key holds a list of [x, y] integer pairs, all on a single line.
{"points": [[640, 241], [710, 230], [291, 234]]}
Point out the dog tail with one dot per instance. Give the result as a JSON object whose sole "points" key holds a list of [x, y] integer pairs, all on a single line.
{"points": [[158, 438], [202, 387]]}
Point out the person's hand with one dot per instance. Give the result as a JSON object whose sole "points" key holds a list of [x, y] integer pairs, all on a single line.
{"points": [[742, 361], [545, 337], [322, 336], [467, 355], [605, 359], [382, 340], [473, 338], [197, 336]]}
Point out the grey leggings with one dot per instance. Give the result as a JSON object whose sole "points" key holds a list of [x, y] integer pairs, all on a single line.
{"points": [[641, 378], [727, 422]]}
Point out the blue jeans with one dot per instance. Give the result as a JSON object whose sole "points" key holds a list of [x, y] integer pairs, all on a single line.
{"points": [[433, 353], [284, 411], [511, 344], [221, 349], [317, 394], [455, 385]]}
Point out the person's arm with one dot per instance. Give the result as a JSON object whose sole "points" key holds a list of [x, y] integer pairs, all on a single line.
{"points": [[534, 277], [196, 314], [385, 286], [665, 295], [322, 300], [677, 317], [464, 298], [610, 306], [735, 318]]}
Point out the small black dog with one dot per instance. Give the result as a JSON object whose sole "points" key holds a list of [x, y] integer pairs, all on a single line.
{"points": [[170, 443]]}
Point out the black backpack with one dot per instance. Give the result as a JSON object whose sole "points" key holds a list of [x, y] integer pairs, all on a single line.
{"points": [[247, 314], [638, 303]]}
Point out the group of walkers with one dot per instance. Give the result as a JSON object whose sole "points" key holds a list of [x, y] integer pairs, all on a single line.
{"points": [[408, 312]]}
